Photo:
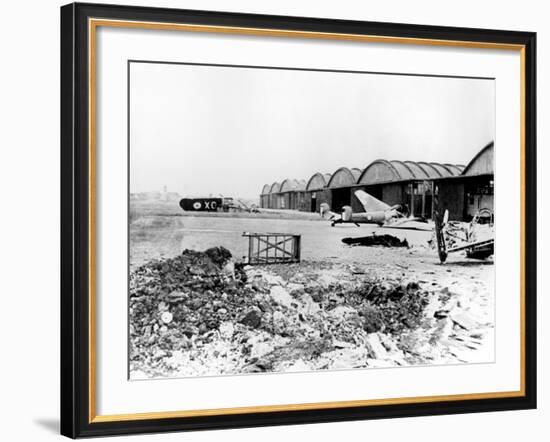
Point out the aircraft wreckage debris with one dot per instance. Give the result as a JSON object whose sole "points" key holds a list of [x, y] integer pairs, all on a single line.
{"points": [[376, 240]]}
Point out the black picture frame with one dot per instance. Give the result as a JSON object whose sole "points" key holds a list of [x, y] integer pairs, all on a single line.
{"points": [[75, 220]]}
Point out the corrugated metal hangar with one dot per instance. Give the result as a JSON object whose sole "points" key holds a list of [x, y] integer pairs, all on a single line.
{"points": [[292, 192], [315, 191], [340, 186], [471, 191], [419, 186], [274, 196], [405, 182], [264, 196]]}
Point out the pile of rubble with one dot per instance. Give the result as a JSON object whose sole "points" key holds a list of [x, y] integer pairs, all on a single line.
{"points": [[201, 314]]}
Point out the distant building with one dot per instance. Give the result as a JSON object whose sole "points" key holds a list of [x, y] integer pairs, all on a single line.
{"points": [[145, 196], [292, 194], [264, 197], [169, 196], [275, 199]]}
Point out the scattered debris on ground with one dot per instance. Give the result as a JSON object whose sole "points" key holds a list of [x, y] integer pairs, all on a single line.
{"points": [[201, 313], [376, 240]]}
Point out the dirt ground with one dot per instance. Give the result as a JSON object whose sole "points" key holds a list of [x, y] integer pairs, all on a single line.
{"points": [[160, 231], [458, 320]]}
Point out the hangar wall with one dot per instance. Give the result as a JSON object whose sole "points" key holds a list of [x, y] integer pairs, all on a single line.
{"points": [[392, 194], [451, 197], [422, 187]]}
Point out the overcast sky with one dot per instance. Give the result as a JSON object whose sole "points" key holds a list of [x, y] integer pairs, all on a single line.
{"points": [[222, 130]]}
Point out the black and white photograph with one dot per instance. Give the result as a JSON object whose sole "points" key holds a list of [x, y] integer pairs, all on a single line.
{"points": [[295, 220]]}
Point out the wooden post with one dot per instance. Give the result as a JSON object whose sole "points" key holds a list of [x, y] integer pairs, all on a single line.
{"points": [[411, 187], [250, 249], [423, 198], [434, 201]]}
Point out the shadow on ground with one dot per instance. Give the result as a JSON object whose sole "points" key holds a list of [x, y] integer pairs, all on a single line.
{"points": [[51, 425], [467, 263]]}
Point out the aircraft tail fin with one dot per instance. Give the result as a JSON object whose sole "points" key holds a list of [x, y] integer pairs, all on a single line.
{"points": [[370, 203], [242, 204]]}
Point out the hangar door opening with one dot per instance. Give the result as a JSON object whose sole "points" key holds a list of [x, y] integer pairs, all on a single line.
{"points": [[341, 198], [313, 203], [375, 191]]}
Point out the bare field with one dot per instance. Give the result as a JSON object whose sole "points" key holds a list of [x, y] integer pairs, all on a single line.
{"points": [[157, 230], [171, 208], [162, 229]]}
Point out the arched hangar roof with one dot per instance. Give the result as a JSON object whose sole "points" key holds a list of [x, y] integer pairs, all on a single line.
{"points": [[356, 172], [482, 163], [436, 170], [266, 189], [383, 171], [288, 184], [379, 171], [444, 171], [292, 185], [275, 187], [318, 181], [456, 168], [343, 177], [419, 171]]}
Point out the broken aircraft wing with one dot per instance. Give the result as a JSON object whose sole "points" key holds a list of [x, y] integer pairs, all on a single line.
{"points": [[409, 224]]}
